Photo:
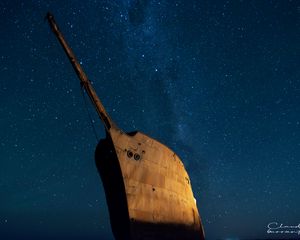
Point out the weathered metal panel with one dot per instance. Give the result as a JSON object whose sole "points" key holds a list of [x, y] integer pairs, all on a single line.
{"points": [[158, 188]]}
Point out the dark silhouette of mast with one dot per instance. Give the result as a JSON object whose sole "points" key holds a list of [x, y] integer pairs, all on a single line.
{"points": [[85, 82]]}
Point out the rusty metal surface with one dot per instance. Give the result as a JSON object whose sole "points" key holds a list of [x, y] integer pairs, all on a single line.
{"points": [[158, 188], [148, 190]]}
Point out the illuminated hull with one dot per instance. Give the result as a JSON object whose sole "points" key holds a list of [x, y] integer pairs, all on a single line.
{"points": [[148, 190]]}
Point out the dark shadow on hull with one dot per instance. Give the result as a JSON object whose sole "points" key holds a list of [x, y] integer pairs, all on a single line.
{"points": [[108, 166], [164, 231]]}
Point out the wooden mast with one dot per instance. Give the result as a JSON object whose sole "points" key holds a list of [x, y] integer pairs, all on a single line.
{"points": [[85, 82]]}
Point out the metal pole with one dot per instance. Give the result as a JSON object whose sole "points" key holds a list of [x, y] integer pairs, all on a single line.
{"points": [[108, 123]]}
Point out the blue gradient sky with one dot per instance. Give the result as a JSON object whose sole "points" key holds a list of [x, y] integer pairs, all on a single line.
{"points": [[216, 81]]}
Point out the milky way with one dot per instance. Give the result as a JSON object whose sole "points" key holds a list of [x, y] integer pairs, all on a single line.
{"points": [[217, 82]]}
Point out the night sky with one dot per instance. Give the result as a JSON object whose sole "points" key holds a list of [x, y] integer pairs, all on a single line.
{"points": [[216, 81]]}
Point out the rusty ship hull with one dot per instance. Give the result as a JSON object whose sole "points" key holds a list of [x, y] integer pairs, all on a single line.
{"points": [[147, 189], [152, 190]]}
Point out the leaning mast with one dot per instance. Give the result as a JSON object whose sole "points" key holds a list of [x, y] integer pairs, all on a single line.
{"points": [[84, 81]]}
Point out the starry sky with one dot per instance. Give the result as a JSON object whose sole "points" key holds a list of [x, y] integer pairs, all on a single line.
{"points": [[216, 81]]}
